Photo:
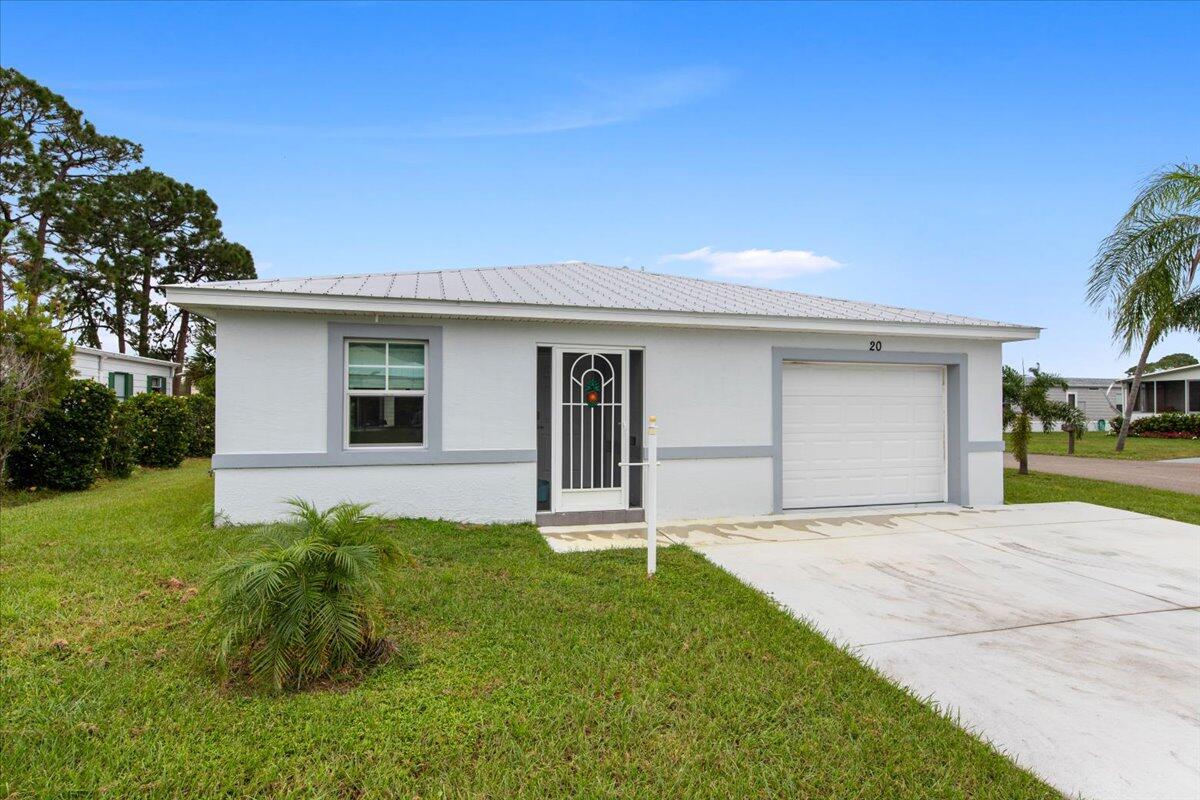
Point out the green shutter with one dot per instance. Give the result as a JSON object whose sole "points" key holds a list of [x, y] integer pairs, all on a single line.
{"points": [[112, 381], [129, 384]]}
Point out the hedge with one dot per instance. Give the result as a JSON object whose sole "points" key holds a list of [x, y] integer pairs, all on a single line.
{"points": [[202, 418], [161, 429], [120, 456], [1167, 426], [63, 449]]}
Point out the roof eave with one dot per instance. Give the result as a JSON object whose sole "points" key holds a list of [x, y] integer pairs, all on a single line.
{"points": [[201, 299], [96, 351]]}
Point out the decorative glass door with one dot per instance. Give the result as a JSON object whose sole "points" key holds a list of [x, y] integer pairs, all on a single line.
{"points": [[591, 408]]}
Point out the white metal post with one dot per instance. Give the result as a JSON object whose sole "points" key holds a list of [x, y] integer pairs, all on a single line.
{"points": [[652, 497]]}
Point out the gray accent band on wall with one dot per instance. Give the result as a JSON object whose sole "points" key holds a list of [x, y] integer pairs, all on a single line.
{"points": [[716, 451], [370, 458], [957, 483], [985, 447]]}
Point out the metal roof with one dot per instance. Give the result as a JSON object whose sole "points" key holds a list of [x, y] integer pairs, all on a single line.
{"points": [[1171, 371], [1095, 383], [92, 351], [583, 285]]}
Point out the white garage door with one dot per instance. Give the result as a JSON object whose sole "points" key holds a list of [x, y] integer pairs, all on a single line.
{"points": [[863, 434]]}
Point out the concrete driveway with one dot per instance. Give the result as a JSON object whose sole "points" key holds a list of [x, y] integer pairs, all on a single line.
{"points": [[1067, 634]]}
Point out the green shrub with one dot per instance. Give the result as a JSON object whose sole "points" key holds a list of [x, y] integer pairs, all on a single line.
{"points": [[120, 455], [1170, 425], [36, 334], [161, 429], [202, 420], [301, 602], [63, 449], [207, 385]]}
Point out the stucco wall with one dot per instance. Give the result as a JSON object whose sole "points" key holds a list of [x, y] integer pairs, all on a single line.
{"points": [[708, 388], [463, 492]]}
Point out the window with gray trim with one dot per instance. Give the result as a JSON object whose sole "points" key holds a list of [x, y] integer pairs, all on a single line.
{"points": [[385, 390]]}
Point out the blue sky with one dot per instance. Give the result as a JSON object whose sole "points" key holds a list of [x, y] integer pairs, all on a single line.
{"points": [[963, 158]]}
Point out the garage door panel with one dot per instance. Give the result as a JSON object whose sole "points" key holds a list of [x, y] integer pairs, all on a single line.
{"points": [[862, 434]]}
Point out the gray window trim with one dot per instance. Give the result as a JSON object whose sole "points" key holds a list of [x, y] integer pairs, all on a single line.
{"points": [[337, 404], [957, 443]]}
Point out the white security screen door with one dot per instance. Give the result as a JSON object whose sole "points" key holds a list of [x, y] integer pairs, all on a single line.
{"points": [[591, 415], [863, 434]]}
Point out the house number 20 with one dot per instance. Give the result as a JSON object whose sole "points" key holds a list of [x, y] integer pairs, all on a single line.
{"points": [[876, 346]]}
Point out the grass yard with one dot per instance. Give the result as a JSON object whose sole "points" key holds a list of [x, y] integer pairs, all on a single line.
{"points": [[1043, 487], [1101, 445], [520, 673]]}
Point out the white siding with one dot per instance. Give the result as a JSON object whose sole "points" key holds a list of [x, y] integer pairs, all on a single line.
{"points": [[708, 388], [97, 368]]}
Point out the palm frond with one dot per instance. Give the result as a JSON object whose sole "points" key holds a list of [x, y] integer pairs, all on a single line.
{"points": [[298, 602]]}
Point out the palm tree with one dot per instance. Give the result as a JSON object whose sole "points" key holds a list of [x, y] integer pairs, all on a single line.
{"points": [[1074, 423], [302, 601], [1145, 270], [1024, 401]]}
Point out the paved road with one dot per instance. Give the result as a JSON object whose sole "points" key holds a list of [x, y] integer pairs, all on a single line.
{"points": [[1155, 474]]}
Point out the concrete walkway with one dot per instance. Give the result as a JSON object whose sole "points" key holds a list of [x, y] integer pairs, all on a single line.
{"points": [[1155, 474]]}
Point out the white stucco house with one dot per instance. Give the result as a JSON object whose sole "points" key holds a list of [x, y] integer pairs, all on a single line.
{"points": [[1169, 390], [125, 374], [522, 393]]}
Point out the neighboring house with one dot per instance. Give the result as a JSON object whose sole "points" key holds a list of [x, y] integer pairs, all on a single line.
{"points": [[1169, 390], [1088, 394], [509, 394], [126, 375]]}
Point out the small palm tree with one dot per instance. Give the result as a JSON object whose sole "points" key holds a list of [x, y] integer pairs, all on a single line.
{"points": [[1024, 401], [1074, 423], [302, 601], [1145, 269]]}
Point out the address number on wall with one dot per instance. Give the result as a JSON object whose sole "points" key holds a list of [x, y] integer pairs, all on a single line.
{"points": [[876, 346]]}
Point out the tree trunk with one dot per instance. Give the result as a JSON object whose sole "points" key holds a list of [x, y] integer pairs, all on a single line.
{"points": [[119, 319], [1071, 442], [180, 350], [33, 278], [143, 346], [1131, 401], [1020, 442]]}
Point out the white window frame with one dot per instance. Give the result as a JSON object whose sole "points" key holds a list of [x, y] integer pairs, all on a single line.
{"points": [[423, 393], [125, 384], [1073, 399]]}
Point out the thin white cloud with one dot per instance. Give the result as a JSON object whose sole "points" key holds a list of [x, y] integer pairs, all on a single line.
{"points": [[598, 105], [589, 105], [758, 264]]}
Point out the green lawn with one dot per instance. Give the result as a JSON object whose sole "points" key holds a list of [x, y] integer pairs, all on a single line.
{"points": [[520, 673], [1100, 445], [1042, 487]]}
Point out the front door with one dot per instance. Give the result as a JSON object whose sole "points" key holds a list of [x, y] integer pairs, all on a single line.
{"points": [[591, 414]]}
